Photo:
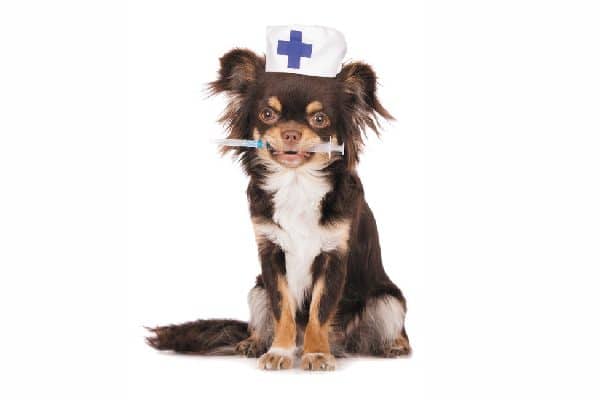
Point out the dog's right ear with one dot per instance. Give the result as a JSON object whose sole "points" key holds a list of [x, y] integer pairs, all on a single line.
{"points": [[239, 70]]}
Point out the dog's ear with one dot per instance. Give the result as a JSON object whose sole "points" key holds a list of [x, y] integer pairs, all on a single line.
{"points": [[239, 70], [359, 88], [238, 74], [359, 84]]}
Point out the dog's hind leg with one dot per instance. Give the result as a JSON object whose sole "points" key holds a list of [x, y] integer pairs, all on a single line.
{"points": [[260, 325], [379, 329]]}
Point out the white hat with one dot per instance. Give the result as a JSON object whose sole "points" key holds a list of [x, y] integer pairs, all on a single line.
{"points": [[306, 50]]}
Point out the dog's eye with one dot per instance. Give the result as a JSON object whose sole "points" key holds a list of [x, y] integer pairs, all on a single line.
{"points": [[319, 120], [268, 115]]}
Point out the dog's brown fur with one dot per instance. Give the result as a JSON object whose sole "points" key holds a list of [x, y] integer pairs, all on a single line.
{"points": [[351, 306]]}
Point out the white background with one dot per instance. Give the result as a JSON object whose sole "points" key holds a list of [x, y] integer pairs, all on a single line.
{"points": [[117, 212]]}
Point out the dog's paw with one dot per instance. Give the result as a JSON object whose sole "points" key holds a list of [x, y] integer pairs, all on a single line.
{"points": [[276, 359], [397, 352], [401, 347], [318, 362], [249, 348]]}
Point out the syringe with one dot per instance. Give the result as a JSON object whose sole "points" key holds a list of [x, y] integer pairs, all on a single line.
{"points": [[328, 148], [257, 144]]}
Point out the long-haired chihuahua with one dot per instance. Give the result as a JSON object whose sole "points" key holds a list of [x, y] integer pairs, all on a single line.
{"points": [[322, 291]]}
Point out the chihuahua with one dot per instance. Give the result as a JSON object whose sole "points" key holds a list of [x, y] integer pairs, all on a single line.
{"points": [[322, 292]]}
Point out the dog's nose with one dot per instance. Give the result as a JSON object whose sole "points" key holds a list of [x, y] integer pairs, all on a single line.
{"points": [[291, 136]]}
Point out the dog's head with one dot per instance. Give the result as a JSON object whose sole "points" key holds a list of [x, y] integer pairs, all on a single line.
{"points": [[292, 112]]}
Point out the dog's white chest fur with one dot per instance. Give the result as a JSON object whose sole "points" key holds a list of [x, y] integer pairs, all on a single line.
{"points": [[297, 196]]}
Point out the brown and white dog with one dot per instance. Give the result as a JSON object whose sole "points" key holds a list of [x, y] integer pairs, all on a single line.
{"points": [[322, 288]]}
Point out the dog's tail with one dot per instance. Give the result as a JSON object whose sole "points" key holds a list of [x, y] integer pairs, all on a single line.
{"points": [[204, 336]]}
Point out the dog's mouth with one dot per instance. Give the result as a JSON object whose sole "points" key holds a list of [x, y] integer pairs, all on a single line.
{"points": [[291, 157]]}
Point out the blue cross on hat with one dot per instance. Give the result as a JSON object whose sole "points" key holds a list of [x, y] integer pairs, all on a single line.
{"points": [[306, 50], [294, 49]]}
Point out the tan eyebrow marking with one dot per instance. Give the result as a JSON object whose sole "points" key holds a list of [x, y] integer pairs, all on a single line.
{"points": [[313, 107], [274, 103]]}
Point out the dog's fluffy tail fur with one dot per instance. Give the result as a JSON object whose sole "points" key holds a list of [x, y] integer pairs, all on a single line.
{"points": [[204, 336]]}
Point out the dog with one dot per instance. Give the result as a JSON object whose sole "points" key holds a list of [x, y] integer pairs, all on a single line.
{"points": [[322, 292]]}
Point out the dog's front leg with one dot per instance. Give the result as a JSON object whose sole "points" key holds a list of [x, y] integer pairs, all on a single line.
{"points": [[281, 353], [330, 271]]}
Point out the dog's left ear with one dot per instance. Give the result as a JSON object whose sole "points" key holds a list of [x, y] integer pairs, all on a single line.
{"points": [[359, 84], [359, 88]]}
